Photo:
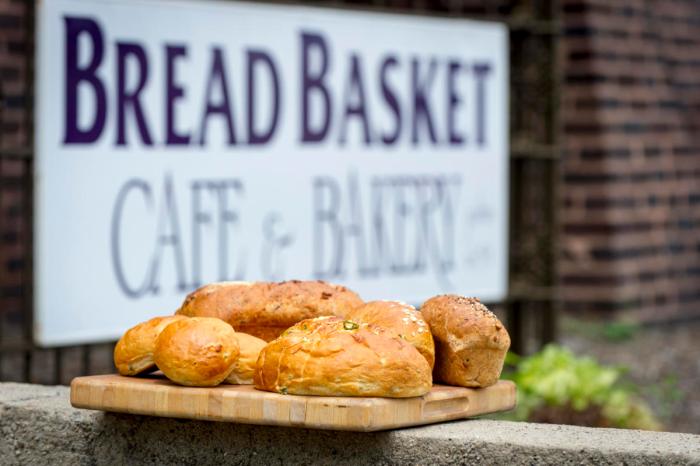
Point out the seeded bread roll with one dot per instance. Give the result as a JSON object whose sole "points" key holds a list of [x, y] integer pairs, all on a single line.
{"points": [[329, 356], [198, 352], [265, 310], [401, 318], [133, 353], [470, 342], [244, 367]]}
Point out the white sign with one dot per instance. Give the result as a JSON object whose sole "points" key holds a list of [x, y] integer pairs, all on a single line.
{"points": [[186, 142]]}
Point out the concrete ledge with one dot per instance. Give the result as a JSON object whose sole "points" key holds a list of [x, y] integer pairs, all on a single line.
{"points": [[38, 426]]}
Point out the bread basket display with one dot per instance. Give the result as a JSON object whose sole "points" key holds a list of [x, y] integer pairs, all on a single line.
{"points": [[311, 354]]}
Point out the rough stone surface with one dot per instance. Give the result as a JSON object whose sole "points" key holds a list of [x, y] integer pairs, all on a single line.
{"points": [[38, 426]]}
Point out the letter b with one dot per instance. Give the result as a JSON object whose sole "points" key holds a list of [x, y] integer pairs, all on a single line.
{"points": [[308, 82], [75, 75]]}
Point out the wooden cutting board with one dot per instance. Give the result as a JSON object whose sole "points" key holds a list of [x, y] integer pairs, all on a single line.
{"points": [[156, 396]]}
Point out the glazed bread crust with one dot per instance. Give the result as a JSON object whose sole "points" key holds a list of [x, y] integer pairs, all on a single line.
{"points": [[265, 309], [329, 356], [470, 342], [133, 353], [198, 352], [244, 366], [401, 318], [265, 333], [220, 300]]}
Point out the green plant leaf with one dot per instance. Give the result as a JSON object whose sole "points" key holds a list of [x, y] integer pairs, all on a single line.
{"points": [[556, 377]]}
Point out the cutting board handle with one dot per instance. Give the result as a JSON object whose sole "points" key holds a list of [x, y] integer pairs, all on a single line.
{"points": [[445, 409]]}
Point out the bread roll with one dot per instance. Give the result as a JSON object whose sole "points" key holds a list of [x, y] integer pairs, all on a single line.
{"points": [[265, 333], [329, 356], [265, 310], [198, 352], [133, 353], [244, 367], [401, 318], [470, 342]]}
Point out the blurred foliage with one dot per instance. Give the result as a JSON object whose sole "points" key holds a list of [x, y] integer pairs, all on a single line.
{"points": [[620, 331], [664, 395], [610, 331], [554, 385]]}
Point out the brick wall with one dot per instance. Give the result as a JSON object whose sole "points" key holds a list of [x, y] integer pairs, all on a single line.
{"points": [[15, 135], [631, 167], [15, 44]]}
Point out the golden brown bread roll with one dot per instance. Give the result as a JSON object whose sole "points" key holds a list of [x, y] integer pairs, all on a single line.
{"points": [[265, 310], [198, 352], [133, 353], [244, 366], [329, 356], [470, 342], [402, 318], [265, 333]]}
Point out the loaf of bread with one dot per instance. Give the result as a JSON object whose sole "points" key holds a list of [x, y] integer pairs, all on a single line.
{"points": [[329, 356], [133, 353], [265, 310], [470, 342], [401, 318], [244, 366], [198, 352]]}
